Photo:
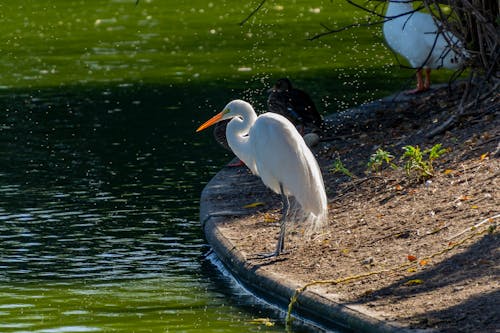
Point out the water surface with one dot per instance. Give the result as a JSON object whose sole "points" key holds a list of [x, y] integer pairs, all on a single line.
{"points": [[98, 217], [100, 168]]}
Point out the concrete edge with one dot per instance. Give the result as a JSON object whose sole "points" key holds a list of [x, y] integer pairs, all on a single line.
{"points": [[269, 286]]}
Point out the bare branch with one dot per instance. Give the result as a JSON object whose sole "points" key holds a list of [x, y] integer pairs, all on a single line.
{"points": [[357, 25], [365, 9], [253, 12], [347, 27]]}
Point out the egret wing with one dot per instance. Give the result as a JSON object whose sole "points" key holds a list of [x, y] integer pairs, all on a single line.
{"points": [[281, 156]]}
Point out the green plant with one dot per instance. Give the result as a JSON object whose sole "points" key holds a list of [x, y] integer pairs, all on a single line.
{"points": [[380, 157], [436, 152], [338, 167], [416, 160]]}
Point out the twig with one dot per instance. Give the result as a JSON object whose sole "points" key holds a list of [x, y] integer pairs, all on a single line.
{"points": [[453, 119], [253, 12], [462, 108], [365, 9], [394, 234], [354, 25], [474, 227], [367, 24]]}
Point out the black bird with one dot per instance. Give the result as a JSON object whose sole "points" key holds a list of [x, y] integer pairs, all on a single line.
{"points": [[220, 134], [294, 104], [220, 137]]}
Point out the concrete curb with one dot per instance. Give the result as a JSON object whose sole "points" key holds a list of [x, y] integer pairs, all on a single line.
{"points": [[219, 205]]}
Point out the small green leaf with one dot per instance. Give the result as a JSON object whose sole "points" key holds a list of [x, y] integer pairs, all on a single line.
{"points": [[414, 282]]}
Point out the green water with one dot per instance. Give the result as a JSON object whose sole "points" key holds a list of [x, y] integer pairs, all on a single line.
{"points": [[100, 168]]}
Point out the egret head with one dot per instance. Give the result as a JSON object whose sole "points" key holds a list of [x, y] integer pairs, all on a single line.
{"points": [[232, 109]]}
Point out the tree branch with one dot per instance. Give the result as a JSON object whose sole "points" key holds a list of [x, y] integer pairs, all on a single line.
{"points": [[253, 12], [347, 27], [367, 24]]}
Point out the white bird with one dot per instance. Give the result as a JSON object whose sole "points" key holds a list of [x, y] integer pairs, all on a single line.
{"points": [[417, 37], [273, 149]]}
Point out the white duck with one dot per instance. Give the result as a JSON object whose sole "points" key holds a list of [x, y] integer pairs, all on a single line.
{"points": [[413, 35]]}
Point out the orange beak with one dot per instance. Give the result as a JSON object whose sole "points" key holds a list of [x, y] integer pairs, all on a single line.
{"points": [[211, 121]]}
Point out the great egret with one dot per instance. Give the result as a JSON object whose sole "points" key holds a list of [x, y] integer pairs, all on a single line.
{"points": [[294, 104], [273, 149], [418, 38]]}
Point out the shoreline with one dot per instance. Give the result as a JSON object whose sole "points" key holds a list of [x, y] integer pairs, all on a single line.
{"points": [[236, 233], [311, 305]]}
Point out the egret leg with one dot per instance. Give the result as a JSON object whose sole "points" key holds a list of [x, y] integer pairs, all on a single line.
{"points": [[427, 83], [420, 84], [281, 238]]}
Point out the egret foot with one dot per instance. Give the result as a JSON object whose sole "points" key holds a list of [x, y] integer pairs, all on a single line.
{"points": [[421, 84], [267, 255], [416, 91], [236, 164]]}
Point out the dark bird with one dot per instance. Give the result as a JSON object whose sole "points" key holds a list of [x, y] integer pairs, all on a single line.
{"points": [[220, 137], [295, 104]]}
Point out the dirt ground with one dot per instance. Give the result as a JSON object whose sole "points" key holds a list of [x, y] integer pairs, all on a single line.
{"points": [[436, 270]]}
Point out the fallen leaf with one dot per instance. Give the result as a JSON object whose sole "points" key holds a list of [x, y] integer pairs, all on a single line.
{"points": [[262, 321], [254, 204], [368, 292], [464, 198], [411, 270], [448, 171], [414, 282], [485, 136], [270, 219], [474, 207], [411, 258], [345, 251], [484, 156], [423, 262], [398, 187]]}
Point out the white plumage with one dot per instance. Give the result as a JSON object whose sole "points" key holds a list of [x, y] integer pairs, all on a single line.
{"points": [[273, 149], [417, 37]]}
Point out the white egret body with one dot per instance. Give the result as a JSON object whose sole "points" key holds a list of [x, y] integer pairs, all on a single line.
{"points": [[417, 37], [273, 149]]}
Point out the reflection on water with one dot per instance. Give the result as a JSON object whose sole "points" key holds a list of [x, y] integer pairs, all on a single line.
{"points": [[99, 222], [100, 168]]}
